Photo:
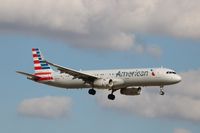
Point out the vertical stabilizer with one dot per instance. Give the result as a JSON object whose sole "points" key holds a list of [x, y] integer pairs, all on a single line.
{"points": [[42, 69]]}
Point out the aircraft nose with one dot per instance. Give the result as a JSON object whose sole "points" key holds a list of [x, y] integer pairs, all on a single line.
{"points": [[178, 78]]}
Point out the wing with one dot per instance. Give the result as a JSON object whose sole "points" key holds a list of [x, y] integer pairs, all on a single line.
{"points": [[29, 76], [76, 74]]}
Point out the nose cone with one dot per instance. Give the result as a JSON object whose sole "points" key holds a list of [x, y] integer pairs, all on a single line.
{"points": [[178, 79]]}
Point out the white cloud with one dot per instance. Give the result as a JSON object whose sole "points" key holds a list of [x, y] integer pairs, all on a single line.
{"points": [[150, 49], [181, 130], [45, 107], [181, 101], [106, 24], [190, 84]]}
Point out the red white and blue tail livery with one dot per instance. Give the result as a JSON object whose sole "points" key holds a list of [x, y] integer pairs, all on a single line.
{"points": [[128, 81], [42, 69], [40, 65]]}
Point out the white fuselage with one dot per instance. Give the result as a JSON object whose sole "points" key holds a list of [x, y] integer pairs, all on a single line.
{"points": [[128, 81], [124, 78]]}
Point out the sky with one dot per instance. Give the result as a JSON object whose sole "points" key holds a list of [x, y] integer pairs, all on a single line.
{"points": [[99, 34]]}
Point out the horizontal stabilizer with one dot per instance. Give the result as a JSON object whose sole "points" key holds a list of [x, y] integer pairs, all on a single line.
{"points": [[29, 76]]}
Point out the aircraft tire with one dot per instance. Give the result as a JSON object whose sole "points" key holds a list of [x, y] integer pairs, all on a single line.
{"points": [[91, 91], [111, 97], [162, 93]]}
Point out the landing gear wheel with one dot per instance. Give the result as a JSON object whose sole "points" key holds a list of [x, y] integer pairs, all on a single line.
{"points": [[162, 93], [111, 97], [91, 91], [162, 90], [139, 90]]}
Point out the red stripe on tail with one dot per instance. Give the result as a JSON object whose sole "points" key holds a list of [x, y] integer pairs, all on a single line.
{"points": [[38, 68], [43, 73], [33, 49], [36, 62], [35, 55]]}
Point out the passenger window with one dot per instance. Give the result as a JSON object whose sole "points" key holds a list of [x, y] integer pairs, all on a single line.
{"points": [[170, 72]]}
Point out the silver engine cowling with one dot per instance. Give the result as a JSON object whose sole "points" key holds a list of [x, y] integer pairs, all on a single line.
{"points": [[103, 83], [131, 91]]}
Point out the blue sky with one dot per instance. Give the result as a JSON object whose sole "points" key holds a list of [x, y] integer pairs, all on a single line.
{"points": [[101, 35], [86, 114]]}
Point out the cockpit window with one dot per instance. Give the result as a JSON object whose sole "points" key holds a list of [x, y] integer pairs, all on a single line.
{"points": [[170, 72]]}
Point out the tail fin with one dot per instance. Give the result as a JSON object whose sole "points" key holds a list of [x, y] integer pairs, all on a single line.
{"points": [[42, 69]]}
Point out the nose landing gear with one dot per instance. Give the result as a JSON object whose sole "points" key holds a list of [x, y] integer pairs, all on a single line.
{"points": [[162, 91]]}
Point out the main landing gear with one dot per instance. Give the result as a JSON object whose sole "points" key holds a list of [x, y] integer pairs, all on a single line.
{"points": [[92, 91], [111, 96], [162, 91]]}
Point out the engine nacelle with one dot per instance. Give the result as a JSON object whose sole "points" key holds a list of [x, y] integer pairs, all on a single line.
{"points": [[131, 91], [103, 83]]}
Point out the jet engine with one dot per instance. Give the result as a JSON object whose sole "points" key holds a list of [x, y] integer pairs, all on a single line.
{"points": [[103, 83], [131, 91]]}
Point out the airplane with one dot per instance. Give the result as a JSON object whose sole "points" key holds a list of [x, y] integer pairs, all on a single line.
{"points": [[128, 81]]}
